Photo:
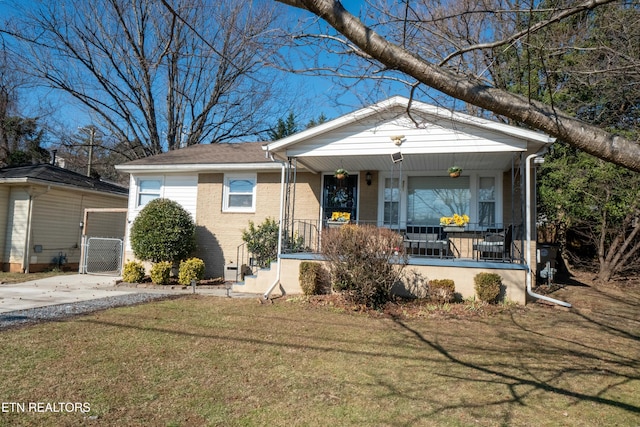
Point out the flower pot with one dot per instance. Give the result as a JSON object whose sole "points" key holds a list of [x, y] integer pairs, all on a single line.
{"points": [[340, 176], [454, 174]]}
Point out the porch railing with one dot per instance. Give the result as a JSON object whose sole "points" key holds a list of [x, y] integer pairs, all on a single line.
{"points": [[499, 242]]}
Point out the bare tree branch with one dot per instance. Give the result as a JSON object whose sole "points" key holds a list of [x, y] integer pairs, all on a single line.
{"points": [[537, 115]]}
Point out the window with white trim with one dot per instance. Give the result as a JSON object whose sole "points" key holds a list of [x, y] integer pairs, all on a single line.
{"points": [[148, 189], [239, 193], [487, 201]]}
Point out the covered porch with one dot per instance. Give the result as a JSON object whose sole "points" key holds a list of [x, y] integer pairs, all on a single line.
{"points": [[398, 155]]}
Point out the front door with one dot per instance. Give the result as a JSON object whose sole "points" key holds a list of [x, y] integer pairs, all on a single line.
{"points": [[341, 196]]}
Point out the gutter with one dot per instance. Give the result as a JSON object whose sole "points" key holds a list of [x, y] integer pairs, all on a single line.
{"points": [[528, 236], [279, 251]]}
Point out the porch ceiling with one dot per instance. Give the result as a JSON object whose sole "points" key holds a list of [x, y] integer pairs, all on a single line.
{"points": [[436, 163]]}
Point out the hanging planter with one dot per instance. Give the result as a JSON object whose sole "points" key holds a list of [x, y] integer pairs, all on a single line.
{"points": [[454, 171], [341, 173]]}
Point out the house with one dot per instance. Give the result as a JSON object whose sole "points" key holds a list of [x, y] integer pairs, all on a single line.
{"points": [[398, 155], [42, 214]]}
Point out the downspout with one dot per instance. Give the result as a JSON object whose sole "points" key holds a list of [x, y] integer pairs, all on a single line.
{"points": [[528, 236], [279, 250]]}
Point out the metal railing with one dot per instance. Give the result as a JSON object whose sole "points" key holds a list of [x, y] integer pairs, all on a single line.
{"points": [[473, 242], [498, 242]]}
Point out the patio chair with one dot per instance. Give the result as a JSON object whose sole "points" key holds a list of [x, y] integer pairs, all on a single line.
{"points": [[495, 246], [426, 241]]}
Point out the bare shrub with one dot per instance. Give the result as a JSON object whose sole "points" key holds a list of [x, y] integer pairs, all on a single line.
{"points": [[364, 262]]}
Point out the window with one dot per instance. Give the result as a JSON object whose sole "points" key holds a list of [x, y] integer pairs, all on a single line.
{"points": [[391, 201], [148, 189], [239, 193], [487, 201], [431, 198]]}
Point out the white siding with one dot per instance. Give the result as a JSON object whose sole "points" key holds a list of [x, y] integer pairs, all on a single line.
{"points": [[16, 225], [182, 189], [4, 215], [177, 187], [373, 136]]}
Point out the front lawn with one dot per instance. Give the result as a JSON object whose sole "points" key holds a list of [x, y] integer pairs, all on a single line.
{"points": [[202, 360]]}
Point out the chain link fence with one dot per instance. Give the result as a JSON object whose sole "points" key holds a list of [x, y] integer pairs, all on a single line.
{"points": [[103, 256]]}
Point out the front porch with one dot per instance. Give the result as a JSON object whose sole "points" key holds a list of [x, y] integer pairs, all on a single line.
{"points": [[433, 252], [399, 156], [418, 271]]}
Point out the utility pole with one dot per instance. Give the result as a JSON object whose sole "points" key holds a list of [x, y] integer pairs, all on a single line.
{"points": [[91, 138], [92, 135]]}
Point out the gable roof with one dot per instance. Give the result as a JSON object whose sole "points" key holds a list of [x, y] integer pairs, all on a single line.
{"points": [[203, 157], [46, 174], [430, 138], [400, 102]]}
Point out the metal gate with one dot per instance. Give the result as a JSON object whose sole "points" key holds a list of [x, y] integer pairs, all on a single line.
{"points": [[103, 256]]}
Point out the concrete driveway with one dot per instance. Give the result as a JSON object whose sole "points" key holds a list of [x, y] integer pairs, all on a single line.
{"points": [[70, 288], [63, 289]]}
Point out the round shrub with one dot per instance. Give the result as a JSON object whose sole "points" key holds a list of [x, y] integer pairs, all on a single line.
{"points": [[442, 290], [163, 231], [488, 286], [190, 269], [133, 272], [160, 272]]}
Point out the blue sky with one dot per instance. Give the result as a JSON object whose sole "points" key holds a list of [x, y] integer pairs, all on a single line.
{"points": [[322, 93]]}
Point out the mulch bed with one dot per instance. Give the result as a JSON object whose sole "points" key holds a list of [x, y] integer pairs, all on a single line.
{"points": [[405, 308]]}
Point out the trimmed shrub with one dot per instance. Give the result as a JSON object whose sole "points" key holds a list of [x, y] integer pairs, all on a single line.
{"points": [[488, 286], [190, 269], [442, 290], [160, 272], [163, 231], [133, 272], [262, 241], [364, 262], [311, 278]]}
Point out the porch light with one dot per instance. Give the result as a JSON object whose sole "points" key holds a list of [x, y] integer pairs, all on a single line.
{"points": [[367, 178], [397, 139]]}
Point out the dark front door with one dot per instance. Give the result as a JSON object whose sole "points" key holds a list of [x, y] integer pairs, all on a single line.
{"points": [[340, 195]]}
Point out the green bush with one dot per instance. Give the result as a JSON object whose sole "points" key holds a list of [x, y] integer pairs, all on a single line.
{"points": [[442, 290], [133, 272], [311, 278], [364, 262], [262, 241], [190, 269], [160, 272], [163, 231], [488, 286]]}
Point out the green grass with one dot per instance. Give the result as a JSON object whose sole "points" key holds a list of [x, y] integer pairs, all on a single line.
{"points": [[232, 362]]}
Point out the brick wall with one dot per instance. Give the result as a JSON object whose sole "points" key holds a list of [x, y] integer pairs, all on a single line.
{"points": [[220, 233]]}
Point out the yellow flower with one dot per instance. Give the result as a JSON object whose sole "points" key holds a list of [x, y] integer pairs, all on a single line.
{"points": [[456, 219], [340, 216]]}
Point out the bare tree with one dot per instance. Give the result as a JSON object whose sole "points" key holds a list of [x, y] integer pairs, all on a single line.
{"points": [[159, 75], [8, 98], [399, 43]]}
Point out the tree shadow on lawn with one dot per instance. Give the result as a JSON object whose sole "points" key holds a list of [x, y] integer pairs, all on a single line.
{"points": [[596, 341], [585, 354]]}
